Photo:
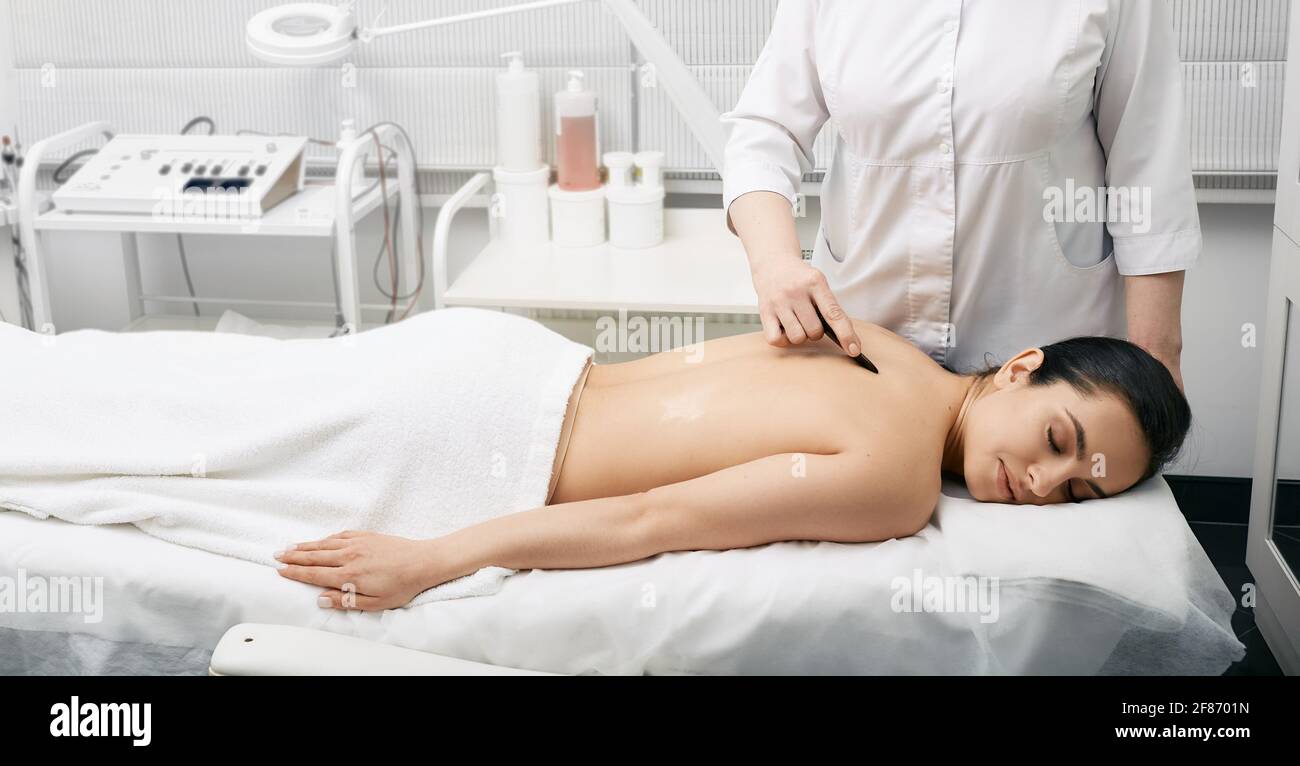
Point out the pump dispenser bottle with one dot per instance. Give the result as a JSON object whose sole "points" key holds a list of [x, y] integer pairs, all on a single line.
{"points": [[576, 150], [519, 208], [519, 116]]}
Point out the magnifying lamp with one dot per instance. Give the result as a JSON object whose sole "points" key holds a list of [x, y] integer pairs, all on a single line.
{"points": [[312, 34]]}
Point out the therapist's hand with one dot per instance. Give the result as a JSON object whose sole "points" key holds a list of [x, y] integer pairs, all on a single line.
{"points": [[788, 290], [787, 287]]}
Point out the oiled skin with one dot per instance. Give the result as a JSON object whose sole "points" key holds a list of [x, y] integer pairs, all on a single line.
{"points": [[675, 416]]}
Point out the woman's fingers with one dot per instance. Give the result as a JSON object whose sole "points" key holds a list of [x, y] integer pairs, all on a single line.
{"points": [[812, 326], [791, 325], [338, 599], [772, 331], [332, 557], [325, 577], [327, 544], [838, 320]]}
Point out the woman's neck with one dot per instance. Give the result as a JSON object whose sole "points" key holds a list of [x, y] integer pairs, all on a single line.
{"points": [[964, 391]]}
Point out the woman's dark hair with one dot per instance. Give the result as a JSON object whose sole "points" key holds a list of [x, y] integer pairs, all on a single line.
{"points": [[1093, 364]]}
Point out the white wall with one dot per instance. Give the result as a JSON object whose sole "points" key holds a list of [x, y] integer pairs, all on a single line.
{"points": [[1224, 291]]}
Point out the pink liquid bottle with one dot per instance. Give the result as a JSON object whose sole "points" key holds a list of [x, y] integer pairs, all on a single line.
{"points": [[576, 146]]}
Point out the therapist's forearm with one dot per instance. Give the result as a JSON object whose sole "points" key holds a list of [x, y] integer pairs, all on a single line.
{"points": [[577, 535], [1154, 309], [765, 222]]}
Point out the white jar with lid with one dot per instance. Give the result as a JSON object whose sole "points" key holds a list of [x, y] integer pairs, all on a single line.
{"points": [[519, 206], [577, 217], [636, 211]]}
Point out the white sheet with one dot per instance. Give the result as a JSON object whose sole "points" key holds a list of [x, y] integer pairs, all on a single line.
{"points": [[1154, 604]]}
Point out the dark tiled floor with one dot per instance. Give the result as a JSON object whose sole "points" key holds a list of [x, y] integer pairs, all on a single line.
{"points": [[1225, 543]]}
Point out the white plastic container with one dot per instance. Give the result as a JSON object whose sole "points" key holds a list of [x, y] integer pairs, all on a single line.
{"points": [[519, 207], [636, 211], [577, 217], [519, 116], [577, 152]]}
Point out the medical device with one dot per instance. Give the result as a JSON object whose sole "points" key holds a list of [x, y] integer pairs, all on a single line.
{"points": [[310, 34], [251, 185], [861, 359], [236, 176]]}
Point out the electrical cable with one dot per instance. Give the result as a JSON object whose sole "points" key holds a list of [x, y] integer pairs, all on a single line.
{"points": [[201, 119], [185, 269], [414, 295]]}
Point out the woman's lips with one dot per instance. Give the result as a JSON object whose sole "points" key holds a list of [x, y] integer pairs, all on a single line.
{"points": [[1004, 483]]}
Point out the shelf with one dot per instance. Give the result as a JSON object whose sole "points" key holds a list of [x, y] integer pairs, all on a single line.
{"points": [[309, 213], [699, 268]]}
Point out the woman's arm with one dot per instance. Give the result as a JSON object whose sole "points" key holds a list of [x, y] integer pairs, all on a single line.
{"points": [[846, 497]]}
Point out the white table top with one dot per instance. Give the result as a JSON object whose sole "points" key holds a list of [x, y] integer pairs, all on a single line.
{"points": [[699, 268], [309, 213]]}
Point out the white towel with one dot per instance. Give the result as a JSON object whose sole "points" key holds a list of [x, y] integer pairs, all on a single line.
{"points": [[239, 445]]}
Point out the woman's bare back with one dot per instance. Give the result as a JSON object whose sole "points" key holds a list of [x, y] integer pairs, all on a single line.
{"points": [[681, 414]]}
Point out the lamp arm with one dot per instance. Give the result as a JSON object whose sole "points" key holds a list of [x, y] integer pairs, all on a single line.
{"points": [[683, 89], [370, 33], [701, 114]]}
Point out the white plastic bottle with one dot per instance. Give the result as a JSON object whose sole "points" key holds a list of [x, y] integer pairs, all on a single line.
{"points": [[519, 117], [576, 145]]}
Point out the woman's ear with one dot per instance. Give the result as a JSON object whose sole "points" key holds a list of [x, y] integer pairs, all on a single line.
{"points": [[1017, 369]]}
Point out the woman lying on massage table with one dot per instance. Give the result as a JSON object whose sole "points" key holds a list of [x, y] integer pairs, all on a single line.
{"points": [[736, 443]]}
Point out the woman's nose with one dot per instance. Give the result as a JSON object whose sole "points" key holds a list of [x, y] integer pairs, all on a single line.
{"points": [[1043, 480]]}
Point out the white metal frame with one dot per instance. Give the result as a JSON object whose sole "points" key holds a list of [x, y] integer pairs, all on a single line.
{"points": [[330, 211], [442, 232]]}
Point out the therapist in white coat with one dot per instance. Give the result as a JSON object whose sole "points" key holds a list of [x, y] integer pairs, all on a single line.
{"points": [[968, 138]]}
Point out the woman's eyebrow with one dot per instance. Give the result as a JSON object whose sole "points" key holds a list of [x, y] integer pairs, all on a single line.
{"points": [[1080, 439], [1079, 436]]}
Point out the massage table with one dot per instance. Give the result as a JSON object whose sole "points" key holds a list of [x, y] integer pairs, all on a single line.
{"points": [[1116, 586]]}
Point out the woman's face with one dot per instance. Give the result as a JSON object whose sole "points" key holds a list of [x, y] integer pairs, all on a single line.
{"points": [[1048, 444]]}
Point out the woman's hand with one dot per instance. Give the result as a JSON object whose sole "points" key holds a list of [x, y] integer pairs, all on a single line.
{"points": [[790, 292], [788, 289], [363, 570]]}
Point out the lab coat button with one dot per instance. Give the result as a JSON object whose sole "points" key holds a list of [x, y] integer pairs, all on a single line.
{"points": [[944, 148], [943, 86]]}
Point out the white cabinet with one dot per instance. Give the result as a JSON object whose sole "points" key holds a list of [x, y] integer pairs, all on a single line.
{"points": [[1273, 543]]}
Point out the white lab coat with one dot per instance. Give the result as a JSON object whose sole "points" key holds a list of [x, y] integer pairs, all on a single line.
{"points": [[953, 123]]}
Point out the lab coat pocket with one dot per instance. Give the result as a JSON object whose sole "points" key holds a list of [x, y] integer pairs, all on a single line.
{"points": [[840, 201], [1055, 208]]}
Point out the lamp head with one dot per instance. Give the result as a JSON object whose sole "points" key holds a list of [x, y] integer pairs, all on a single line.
{"points": [[302, 34]]}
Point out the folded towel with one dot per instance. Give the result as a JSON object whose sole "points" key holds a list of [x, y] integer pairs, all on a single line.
{"points": [[239, 444]]}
